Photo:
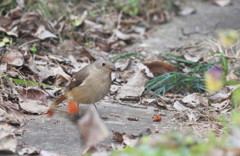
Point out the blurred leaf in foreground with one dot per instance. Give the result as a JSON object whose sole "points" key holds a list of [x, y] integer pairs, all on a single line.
{"points": [[228, 37], [236, 97], [214, 79]]}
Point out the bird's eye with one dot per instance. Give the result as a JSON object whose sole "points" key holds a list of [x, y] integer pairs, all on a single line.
{"points": [[103, 64]]}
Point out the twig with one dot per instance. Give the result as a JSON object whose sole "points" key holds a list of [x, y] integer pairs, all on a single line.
{"points": [[32, 41]]}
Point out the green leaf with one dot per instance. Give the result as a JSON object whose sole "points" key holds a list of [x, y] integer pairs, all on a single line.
{"points": [[6, 40], [33, 49], [27, 82], [2, 44], [77, 22]]}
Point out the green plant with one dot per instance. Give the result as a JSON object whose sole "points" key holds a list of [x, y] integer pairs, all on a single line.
{"points": [[33, 49], [7, 5], [5, 41], [175, 82]]}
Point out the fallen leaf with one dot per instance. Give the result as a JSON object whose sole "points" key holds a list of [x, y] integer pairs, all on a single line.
{"points": [[222, 106], [195, 99], [91, 127], [11, 115], [182, 9], [124, 36], [122, 64], [33, 101], [8, 141], [158, 67], [134, 87], [145, 69], [59, 71], [130, 141], [14, 58], [178, 106], [220, 96], [35, 107], [125, 139], [43, 34], [117, 136], [34, 94], [5, 22], [15, 13]]}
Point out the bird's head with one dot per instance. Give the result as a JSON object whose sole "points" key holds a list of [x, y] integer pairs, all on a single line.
{"points": [[105, 65]]}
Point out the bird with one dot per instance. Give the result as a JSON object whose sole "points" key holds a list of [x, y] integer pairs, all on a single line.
{"points": [[88, 86]]}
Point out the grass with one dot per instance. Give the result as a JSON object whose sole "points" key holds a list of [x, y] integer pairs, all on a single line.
{"points": [[24, 82], [178, 82], [7, 5], [175, 82]]}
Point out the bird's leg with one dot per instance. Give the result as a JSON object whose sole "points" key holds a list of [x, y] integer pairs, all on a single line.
{"points": [[96, 107]]}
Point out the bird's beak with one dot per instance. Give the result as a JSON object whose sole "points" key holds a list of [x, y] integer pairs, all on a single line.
{"points": [[113, 69]]}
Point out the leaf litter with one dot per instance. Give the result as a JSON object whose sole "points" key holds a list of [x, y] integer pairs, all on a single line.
{"points": [[104, 37]]}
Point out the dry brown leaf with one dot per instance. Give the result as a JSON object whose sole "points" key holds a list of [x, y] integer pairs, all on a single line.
{"points": [[158, 67], [130, 141], [125, 37], [34, 94], [134, 87], [117, 136], [14, 58], [223, 106], [125, 139], [91, 127], [35, 107], [8, 141], [59, 71], [180, 107], [33, 101], [220, 96], [15, 13], [5, 22], [194, 100], [10, 115], [145, 69], [122, 64], [43, 34]]}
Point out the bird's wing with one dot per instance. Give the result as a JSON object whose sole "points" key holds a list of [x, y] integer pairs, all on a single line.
{"points": [[79, 77]]}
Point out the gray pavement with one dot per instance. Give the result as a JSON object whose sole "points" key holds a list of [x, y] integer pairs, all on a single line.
{"points": [[59, 135]]}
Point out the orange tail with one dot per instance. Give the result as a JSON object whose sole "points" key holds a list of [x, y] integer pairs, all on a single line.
{"points": [[73, 107], [55, 103]]}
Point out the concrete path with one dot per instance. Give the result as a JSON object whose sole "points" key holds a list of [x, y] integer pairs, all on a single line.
{"points": [[59, 135]]}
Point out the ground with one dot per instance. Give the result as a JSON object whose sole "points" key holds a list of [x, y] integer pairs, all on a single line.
{"points": [[59, 135]]}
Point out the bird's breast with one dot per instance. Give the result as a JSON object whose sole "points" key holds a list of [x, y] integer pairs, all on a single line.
{"points": [[92, 89]]}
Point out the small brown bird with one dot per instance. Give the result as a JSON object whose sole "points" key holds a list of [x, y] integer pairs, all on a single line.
{"points": [[88, 86]]}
